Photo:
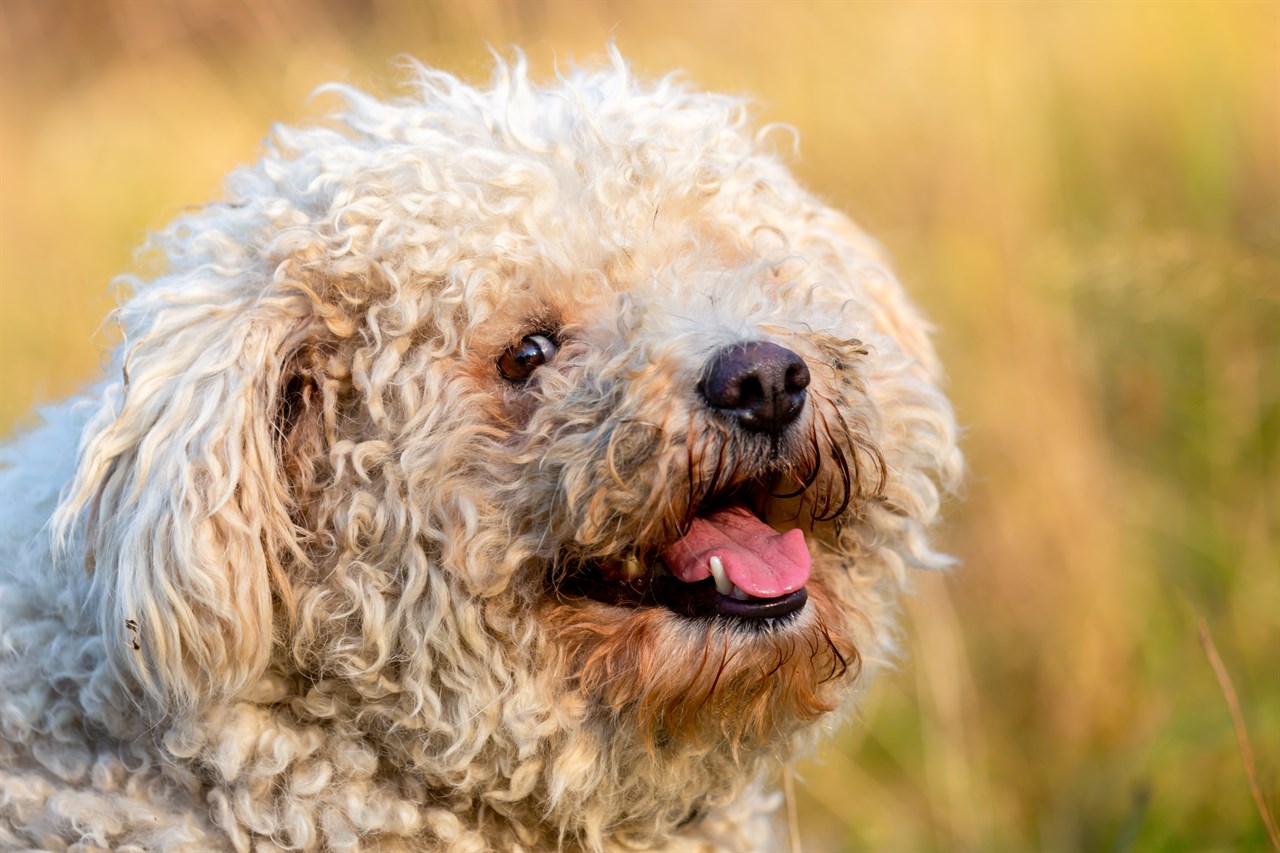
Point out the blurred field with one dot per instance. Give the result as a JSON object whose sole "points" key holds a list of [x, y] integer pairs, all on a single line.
{"points": [[1085, 197]]}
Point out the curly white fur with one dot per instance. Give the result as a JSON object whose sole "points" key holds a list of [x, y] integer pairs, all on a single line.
{"points": [[288, 579]]}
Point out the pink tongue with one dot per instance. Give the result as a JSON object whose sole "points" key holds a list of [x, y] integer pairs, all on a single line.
{"points": [[760, 561]]}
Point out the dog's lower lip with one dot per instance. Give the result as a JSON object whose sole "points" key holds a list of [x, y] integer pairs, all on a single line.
{"points": [[698, 599], [762, 608], [702, 599]]}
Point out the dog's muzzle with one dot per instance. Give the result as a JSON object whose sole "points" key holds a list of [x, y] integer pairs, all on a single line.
{"points": [[727, 561]]}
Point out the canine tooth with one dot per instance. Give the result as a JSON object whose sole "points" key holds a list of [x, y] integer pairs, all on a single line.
{"points": [[739, 594], [631, 568], [724, 586]]}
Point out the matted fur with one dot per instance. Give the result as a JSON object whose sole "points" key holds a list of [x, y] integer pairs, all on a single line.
{"points": [[292, 577]]}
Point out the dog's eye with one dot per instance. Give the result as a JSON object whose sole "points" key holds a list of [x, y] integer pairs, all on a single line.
{"points": [[518, 363]]}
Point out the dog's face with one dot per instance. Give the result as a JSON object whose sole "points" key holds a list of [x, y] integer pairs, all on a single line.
{"points": [[520, 427]]}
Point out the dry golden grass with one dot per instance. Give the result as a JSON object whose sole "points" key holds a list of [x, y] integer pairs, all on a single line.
{"points": [[1085, 197]]}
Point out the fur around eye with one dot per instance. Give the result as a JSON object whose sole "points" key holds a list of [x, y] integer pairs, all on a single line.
{"points": [[518, 363]]}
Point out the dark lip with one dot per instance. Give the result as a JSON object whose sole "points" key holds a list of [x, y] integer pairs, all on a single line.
{"points": [[701, 599], [694, 600]]}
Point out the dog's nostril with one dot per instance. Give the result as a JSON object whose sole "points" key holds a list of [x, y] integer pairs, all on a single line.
{"points": [[797, 377], [750, 392], [760, 385]]}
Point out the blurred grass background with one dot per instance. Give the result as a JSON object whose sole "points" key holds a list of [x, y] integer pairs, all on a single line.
{"points": [[1085, 197]]}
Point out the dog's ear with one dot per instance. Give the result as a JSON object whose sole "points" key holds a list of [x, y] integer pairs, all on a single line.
{"points": [[304, 414], [179, 504]]}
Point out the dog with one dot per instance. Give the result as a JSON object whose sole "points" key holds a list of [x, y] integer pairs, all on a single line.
{"points": [[517, 468]]}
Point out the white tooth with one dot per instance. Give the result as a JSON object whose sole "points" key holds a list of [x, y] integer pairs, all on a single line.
{"points": [[724, 586], [739, 594]]}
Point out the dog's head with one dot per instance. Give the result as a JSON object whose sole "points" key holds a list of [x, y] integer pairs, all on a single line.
{"points": [[544, 433]]}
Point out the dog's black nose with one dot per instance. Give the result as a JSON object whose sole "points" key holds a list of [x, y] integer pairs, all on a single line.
{"points": [[759, 384]]}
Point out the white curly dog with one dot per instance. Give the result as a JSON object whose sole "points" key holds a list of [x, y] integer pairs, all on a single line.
{"points": [[508, 469]]}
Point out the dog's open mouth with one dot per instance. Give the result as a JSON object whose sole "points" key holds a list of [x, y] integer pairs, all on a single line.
{"points": [[729, 562]]}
